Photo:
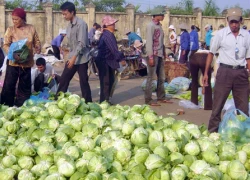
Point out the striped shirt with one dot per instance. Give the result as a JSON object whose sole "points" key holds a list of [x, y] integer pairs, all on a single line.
{"points": [[108, 50]]}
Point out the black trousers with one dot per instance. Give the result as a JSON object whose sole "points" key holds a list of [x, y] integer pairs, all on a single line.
{"points": [[39, 83], [198, 62], [56, 52], [68, 74], [235, 80], [107, 79], [1, 57], [9, 94]]}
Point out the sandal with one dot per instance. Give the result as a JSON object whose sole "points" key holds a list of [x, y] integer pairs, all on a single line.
{"points": [[154, 104], [165, 101]]}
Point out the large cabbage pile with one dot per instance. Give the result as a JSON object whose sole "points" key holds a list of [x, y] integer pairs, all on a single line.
{"points": [[70, 139]]}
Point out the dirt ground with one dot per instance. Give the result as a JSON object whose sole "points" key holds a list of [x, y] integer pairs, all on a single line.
{"points": [[129, 92]]}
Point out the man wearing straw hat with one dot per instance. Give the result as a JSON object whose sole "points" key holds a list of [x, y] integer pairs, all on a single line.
{"points": [[56, 43], [233, 45], [132, 37], [156, 54], [208, 29]]}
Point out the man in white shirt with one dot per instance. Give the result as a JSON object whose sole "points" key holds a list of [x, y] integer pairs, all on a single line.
{"points": [[44, 75], [233, 45]]}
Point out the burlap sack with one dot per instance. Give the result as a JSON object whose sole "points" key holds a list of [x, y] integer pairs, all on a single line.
{"points": [[174, 69]]}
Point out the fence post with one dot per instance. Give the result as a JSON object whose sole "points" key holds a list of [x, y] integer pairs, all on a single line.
{"points": [[198, 14], [47, 7], [130, 10], [2, 20], [90, 8], [165, 25]]}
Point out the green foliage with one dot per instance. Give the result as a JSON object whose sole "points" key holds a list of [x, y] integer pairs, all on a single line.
{"points": [[106, 5], [210, 9], [158, 8], [183, 7], [18, 3], [246, 13]]}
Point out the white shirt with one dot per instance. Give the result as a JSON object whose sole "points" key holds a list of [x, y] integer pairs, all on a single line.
{"points": [[97, 35], [49, 70], [227, 45], [172, 37]]}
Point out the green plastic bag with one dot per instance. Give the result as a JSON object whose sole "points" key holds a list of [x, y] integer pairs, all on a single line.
{"points": [[23, 54]]}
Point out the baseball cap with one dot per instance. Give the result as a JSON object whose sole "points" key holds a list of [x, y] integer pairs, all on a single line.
{"points": [[234, 14]]}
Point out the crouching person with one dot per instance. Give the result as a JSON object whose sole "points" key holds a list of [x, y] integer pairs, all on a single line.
{"points": [[44, 75]]}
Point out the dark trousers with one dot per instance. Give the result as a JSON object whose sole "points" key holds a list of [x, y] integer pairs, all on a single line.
{"points": [[226, 80], [9, 94], [197, 62], [184, 57], [107, 79], [39, 83], [1, 57], [56, 52], [158, 69], [68, 74]]}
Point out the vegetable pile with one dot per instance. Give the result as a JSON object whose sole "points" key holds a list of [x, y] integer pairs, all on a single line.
{"points": [[69, 139]]}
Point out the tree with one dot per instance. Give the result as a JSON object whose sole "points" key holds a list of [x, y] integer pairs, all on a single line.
{"points": [[18, 3], [246, 13], [137, 9], [210, 9], [158, 8], [183, 7], [107, 5]]}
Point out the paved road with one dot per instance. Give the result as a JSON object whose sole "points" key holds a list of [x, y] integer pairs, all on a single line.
{"points": [[129, 92]]}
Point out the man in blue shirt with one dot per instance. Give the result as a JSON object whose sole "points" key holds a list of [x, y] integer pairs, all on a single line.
{"points": [[132, 37], [185, 44], [56, 43], [91, 33], [194, 39], [208, 36]]}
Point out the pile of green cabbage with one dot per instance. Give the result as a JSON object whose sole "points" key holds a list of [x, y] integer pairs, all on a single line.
{"points": [[69, 139]]}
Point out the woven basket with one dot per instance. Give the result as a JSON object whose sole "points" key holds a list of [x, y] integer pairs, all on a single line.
{"points": [[174, 69]]}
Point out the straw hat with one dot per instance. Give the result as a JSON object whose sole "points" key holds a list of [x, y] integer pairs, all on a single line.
{"points": [[171, 27], [183, 26], [137, 43], [157, 12], [108, 20], [62, 31], [207, 26], [127, 31]]}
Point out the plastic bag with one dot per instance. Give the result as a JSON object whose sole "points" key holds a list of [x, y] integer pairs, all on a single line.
{"points": [[188, 104], [121, 68], [235, 126], [42, 97], [54, 87], [154, 85], [14, 47], [182, 83]]}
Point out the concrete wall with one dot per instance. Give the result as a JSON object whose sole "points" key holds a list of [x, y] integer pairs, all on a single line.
{"points": [[48, 22]]}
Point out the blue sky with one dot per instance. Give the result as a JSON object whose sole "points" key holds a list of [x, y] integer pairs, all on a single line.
{"points": [[222, 4]]}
